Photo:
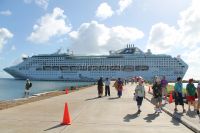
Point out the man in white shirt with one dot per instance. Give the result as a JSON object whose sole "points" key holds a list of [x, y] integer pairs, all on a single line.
{"points": [[107, 87]]}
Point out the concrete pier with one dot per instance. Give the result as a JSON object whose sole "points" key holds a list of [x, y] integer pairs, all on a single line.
{"points": [[89, 114]]}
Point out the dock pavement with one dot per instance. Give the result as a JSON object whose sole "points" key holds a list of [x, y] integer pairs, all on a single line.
{"points": [[89, 114], [189, 119]]}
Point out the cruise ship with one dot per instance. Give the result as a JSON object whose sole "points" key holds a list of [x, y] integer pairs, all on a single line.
{"points": [[124, 63]]}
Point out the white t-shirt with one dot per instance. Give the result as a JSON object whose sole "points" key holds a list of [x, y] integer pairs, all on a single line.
{"points": [[107, 83], [139, 90]]}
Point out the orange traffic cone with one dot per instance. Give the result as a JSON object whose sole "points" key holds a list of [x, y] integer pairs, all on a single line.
{"points": [[66, 116], [170, 97], [66, 91]]}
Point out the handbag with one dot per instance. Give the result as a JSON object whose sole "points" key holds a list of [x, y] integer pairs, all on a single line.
{"points": [[153, 100], [134, 97]]}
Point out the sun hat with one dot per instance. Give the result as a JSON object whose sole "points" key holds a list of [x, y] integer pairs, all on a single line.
{"points": [[190, 80], [158, 79]]}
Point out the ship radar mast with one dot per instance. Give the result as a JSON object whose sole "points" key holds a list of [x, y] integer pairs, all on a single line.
{"points": [[58, 51], [69, 52]]}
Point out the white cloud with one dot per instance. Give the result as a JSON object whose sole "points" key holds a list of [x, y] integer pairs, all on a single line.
{"points": [[92, 38], [5, 34], [104, 11], [192, 58], [123, 4], [189, 24], [40, 3], [6, 13], [185, 35], [48, 26], [184, 39], [163, 38]]}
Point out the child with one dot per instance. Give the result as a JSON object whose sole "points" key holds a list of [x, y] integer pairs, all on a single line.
{"points": [[140, 94], [191, 90]]}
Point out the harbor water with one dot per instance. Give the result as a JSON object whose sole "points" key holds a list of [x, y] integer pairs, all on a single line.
{"points": [[14, 89]]}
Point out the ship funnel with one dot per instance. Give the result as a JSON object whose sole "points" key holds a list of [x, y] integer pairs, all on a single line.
{"points": [[149, 51]]}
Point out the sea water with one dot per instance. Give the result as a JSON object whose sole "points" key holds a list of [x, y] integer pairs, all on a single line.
{"points": [[14, 89]]}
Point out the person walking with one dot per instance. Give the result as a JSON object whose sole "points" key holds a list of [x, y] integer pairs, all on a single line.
{"points": [[28, 85], [119, 87], [107, 87], [100, 87], [178, 94], [139, 94], [198, 96], [164, 84], [157, 93], [190, 93]]}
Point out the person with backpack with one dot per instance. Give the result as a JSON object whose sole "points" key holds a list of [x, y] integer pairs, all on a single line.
{"points": [[28, 85], [157, 93], [119, 87]]}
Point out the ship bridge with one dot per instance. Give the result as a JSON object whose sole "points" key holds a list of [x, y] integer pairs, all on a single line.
{"points": [[130, 49]]}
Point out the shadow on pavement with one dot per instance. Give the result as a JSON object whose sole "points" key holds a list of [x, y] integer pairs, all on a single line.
{"points": [[113, 98], [191, 114], [151, 117], [128, 117], [56, 126], [92, 98], [176, 120]]}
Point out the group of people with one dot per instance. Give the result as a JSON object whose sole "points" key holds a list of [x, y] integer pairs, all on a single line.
{"points": [[118, 86], [159, 89], [159, 92], [191, 93], [100, 85]]}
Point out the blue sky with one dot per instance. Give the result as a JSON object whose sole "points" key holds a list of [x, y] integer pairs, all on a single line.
{"points": [[29, 27]]}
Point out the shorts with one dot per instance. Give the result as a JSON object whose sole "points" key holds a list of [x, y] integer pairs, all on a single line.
{"points": [[158, 99], [178, 99], [27, 90], [139, 100], [191, 98]]}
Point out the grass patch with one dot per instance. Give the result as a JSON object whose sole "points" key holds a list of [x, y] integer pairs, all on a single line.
{"points": [[170, 88]]}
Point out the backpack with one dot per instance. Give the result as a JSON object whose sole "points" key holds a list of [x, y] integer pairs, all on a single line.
{"points": [[30, 85]]}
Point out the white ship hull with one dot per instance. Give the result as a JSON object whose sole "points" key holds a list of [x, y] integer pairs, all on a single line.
{"points": [[126, 63]]}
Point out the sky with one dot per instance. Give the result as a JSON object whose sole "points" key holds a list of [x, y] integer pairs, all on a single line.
{"points": [[31, 27]]}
